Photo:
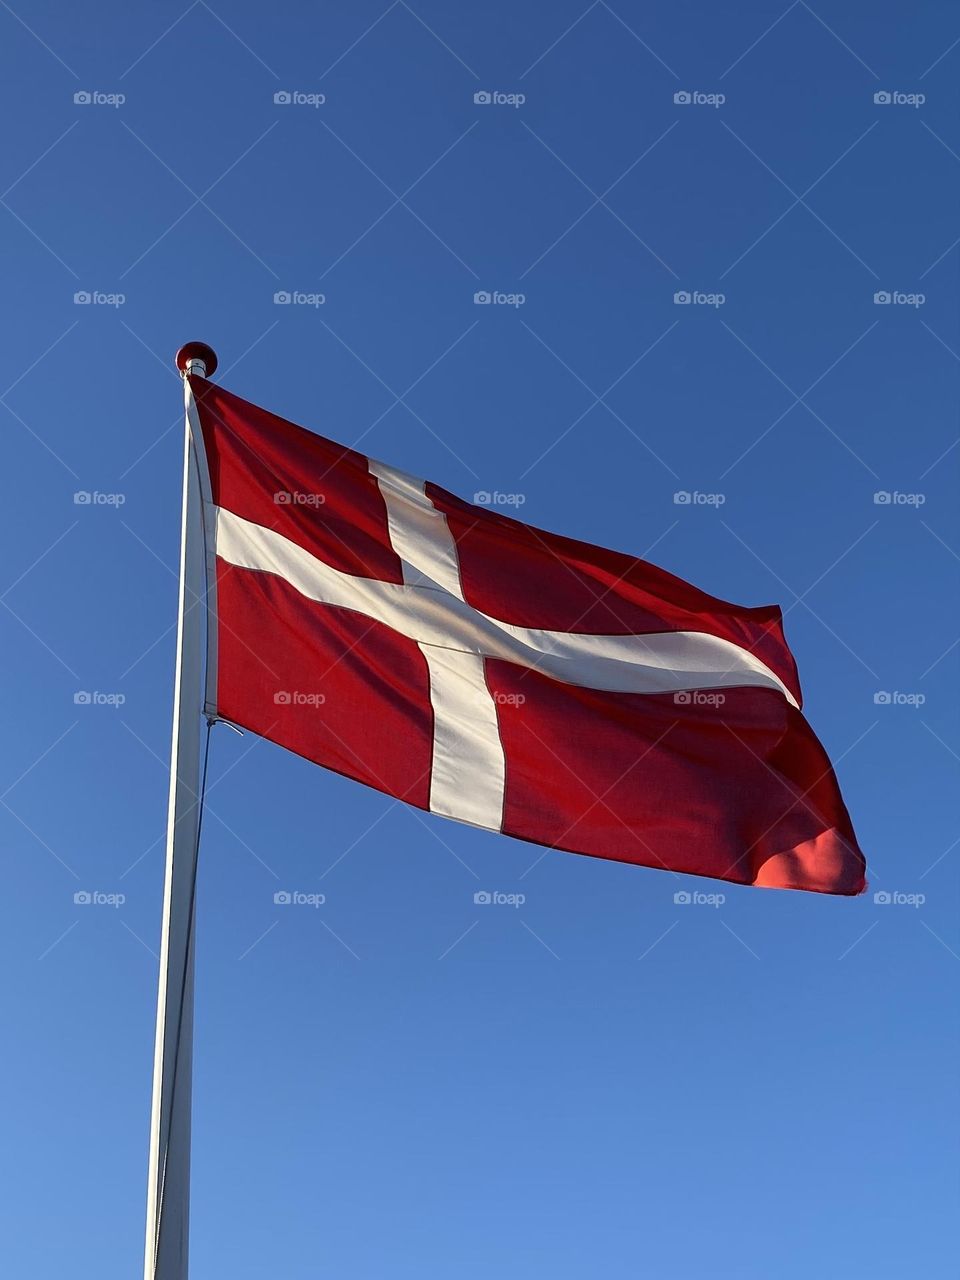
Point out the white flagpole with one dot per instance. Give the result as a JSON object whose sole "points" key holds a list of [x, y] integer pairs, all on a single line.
{"points": [[168, 1186]]}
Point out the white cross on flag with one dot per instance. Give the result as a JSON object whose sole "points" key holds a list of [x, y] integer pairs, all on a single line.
{"points": [[520, 681]]}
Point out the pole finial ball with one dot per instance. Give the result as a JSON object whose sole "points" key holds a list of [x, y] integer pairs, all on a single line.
{"points": [[192, 351]]}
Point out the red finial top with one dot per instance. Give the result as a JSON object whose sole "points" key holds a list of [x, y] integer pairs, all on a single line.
{"points": [[196, 357]]}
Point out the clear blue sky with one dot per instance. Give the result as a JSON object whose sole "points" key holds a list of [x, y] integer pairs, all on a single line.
{"points": [[400, 1083]]}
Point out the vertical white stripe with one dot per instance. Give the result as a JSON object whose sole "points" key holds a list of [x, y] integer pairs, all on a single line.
{"points": [[467, 779], [468, 762], [418, 532]]}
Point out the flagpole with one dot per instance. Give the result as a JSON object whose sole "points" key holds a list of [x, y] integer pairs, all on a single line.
{"points": [[168, 1179]]}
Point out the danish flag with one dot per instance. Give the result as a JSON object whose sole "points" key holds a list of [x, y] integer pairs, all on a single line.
{"points": [[513, 679]]}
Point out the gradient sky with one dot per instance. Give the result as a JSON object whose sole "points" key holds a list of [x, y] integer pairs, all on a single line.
{"points": [[401, 1083]]}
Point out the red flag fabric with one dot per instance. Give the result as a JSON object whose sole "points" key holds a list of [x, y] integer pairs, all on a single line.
{"points": [[514, 679]]}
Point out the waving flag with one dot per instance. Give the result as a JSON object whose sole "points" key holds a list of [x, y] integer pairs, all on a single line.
{"points": [[485, 670]]}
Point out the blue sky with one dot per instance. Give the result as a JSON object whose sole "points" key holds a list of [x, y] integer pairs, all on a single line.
{"points": [[401, 1083]]}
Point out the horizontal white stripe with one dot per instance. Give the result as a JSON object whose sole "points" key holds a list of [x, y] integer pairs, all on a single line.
{"points": [[657, 663]]}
